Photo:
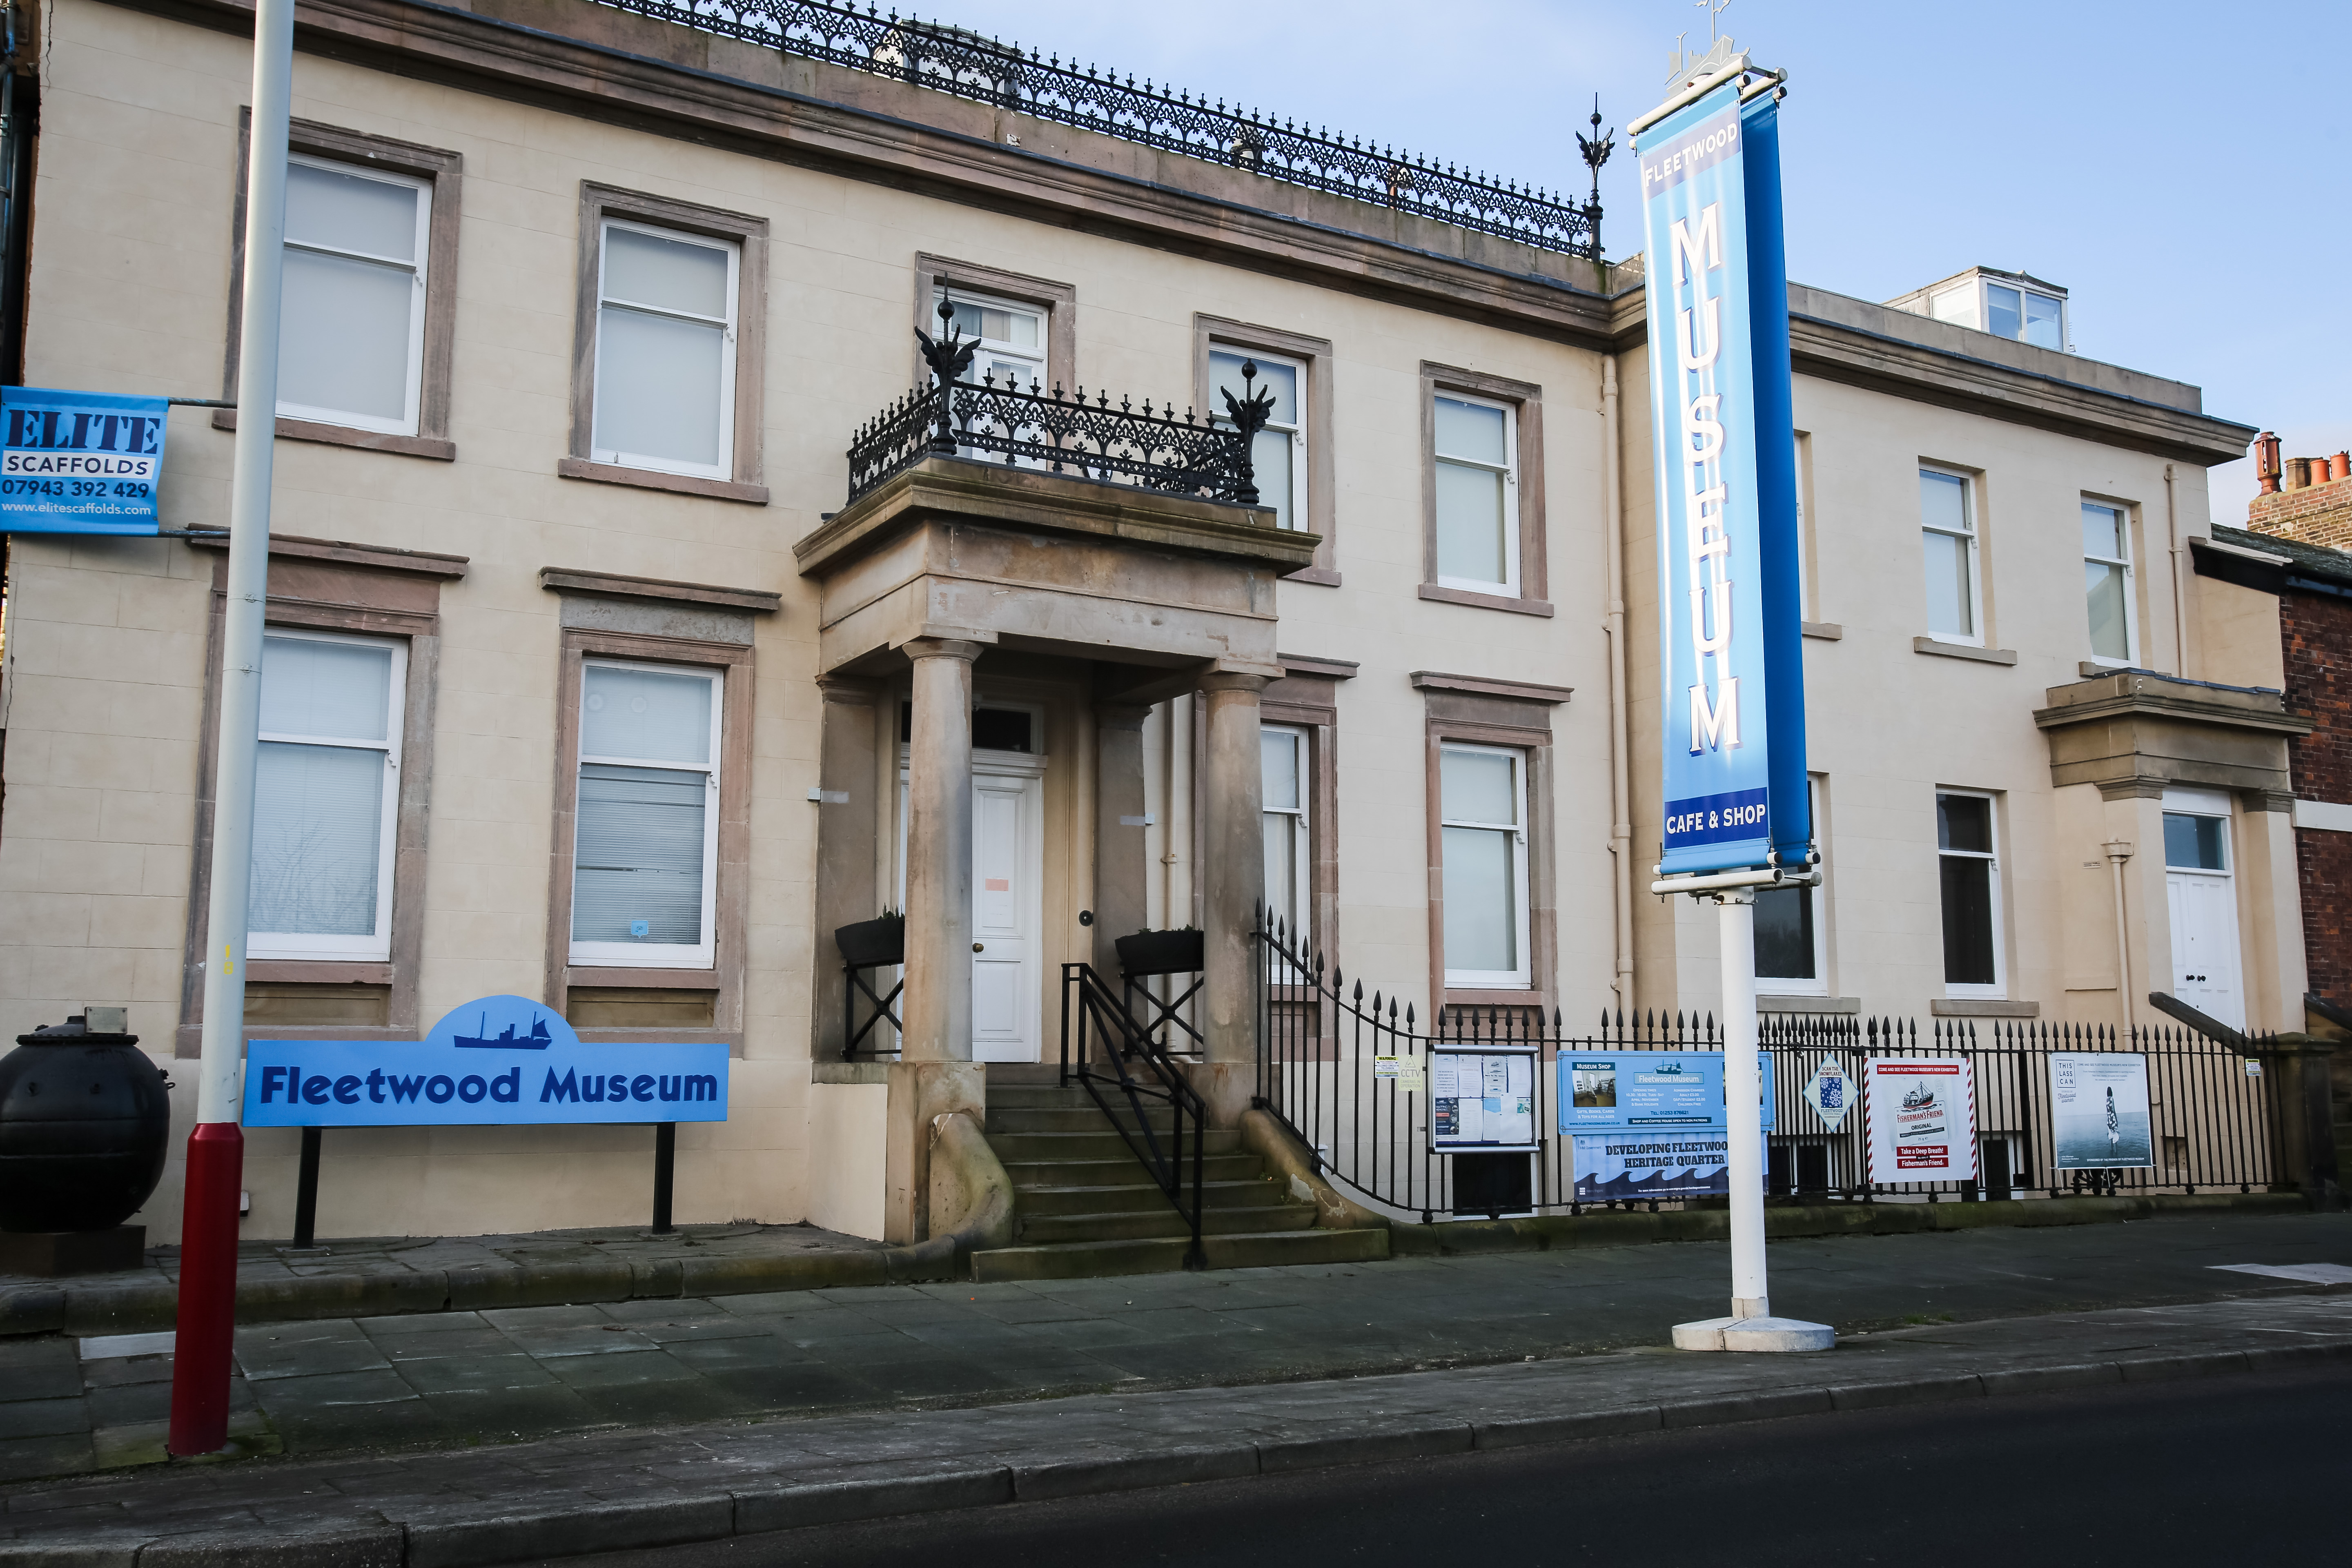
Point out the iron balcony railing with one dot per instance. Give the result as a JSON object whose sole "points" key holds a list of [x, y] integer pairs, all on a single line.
{"points": [[1060, 432], [1330, 1060], [952, 60]]}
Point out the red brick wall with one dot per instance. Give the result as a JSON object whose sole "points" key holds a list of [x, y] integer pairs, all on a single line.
{"points": [[2318, 514], [2318, 632]]}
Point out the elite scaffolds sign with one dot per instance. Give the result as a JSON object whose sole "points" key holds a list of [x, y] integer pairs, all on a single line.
{"points": [[499, 1061], [1727, 485], [78, 462]]}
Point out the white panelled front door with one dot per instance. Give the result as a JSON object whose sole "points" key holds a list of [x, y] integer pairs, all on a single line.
{"points": [[2205, 944], [1008, 867]]}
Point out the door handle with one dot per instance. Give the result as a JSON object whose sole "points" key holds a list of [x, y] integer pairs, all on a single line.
{"points": [[980, 947]]}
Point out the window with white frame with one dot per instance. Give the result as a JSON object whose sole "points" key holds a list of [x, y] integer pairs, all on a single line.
{"points": [[1969, 867], [2025, 315], [1791, 945], [1011, 337], [645, 849], [351, 347], [1284, 782], [666, 330], [1483, 811], [326, 796], [1477, 494], [1278, 455], [1947, 527], [2107, 583]]}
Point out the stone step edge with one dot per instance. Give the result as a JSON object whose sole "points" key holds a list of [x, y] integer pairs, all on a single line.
{"points": [[151, 1306], [851, 1493]]}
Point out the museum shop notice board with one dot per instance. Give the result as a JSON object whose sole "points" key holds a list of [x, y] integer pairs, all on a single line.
{"points": [[495, 1061]]}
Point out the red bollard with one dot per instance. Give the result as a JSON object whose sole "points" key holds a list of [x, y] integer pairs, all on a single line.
{"points": [[208, 1314]]}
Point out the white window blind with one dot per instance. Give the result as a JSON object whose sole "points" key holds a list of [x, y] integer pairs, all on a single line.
{"points": [[1483, 834], [1283, 785], [646, 842], [325, 797], [351, 320], [1278, 453], [665, 321], [1478, 495]]}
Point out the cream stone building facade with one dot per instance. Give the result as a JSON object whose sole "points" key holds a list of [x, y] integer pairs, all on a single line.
{"points": [[1104, 699]]}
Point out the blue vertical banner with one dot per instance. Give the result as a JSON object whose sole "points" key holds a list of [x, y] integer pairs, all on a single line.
{"points": [[1730, 649], [78, 462]]}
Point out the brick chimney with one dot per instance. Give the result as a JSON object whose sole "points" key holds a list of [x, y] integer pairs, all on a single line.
{"points": [[2305, 498]]}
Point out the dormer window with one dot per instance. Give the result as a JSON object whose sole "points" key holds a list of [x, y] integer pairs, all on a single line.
{"points": [[2006, 304]]}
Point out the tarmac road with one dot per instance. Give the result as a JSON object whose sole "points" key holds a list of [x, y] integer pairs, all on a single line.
{"points": [[2248, 1468]]}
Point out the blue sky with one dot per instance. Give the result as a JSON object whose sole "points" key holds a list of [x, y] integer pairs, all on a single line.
{"points": [[2179, 168]]}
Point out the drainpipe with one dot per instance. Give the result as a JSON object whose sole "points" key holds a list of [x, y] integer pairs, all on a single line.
{"points": [[2179, 562], [1621, 812], [2118, 851]]}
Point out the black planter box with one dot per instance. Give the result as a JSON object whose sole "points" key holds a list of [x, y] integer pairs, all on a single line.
{"points": [[873, 944], [1162, 953]]}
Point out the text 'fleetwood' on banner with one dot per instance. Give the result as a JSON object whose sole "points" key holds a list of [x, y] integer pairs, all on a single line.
{"points": [[1727, 485]]}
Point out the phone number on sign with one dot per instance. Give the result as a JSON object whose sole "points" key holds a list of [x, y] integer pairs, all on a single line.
{"points": [[76, 488]]}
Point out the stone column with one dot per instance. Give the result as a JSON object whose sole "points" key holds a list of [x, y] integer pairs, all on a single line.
{"points": [[939, 852], [847, 819], [935, 1074], [1232, 873], [1121, 865]]}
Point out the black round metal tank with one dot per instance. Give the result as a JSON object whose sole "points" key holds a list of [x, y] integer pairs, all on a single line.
{"points": [[84, 1120]]}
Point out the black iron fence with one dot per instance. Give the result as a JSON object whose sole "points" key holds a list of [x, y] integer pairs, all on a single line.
{"points": [[1351, 1075], [1057, 432], [1128, 1072], [952, 60]]}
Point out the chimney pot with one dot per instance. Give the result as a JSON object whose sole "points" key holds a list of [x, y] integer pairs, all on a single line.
{"points": [[2339, 466], [2298, 473], [2266, 462]]}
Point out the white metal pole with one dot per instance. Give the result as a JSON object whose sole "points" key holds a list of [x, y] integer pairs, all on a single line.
{"points": [[215, 1149], [1742, 1093]]}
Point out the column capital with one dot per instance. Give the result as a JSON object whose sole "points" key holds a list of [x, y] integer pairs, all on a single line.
{"points": [[942, 647], [1235, 680], [848, 689], [1121, 715]]}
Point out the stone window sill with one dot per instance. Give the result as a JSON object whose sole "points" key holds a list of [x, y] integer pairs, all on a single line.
{"points": [[1431, 591], [1843, 1004], [1962, 650], [1827, 631], [647, 479], [1327, 576], [439, 448], [1982, 1007]]}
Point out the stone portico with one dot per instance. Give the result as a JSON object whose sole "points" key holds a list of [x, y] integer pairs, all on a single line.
{"points": [[1101, 599]]}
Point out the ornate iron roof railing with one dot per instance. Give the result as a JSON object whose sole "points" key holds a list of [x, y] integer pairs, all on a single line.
{"points": [[1060, 432], [954, 60]]}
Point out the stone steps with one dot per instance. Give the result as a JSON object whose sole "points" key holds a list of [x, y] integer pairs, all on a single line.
{"points": [[1084, 1205], [1088, 1259]]}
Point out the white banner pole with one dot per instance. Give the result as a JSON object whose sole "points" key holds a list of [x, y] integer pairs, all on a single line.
{"points": [[207, 1304], [1742, 1096]]}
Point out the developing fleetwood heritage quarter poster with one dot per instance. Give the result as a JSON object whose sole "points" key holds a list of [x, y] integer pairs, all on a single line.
{"points": [[1730, 641], [1922, 1116], [2098, 1110]]}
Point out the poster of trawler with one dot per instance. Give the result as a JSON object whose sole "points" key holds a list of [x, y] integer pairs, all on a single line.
{"points": [[1921, 1117]]}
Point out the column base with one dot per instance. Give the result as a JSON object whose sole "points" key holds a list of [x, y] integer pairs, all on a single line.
{"points": [[1754, 1334], [1226, 1087], [918, 1091]]}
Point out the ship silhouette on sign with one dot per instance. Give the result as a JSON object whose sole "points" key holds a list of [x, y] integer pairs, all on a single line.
{"points": [[537, 1040]]}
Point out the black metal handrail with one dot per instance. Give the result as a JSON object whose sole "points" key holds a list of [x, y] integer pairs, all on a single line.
{"points": [[1060, 432], [1100, 1040], [963, 64], [1329, 1060]]}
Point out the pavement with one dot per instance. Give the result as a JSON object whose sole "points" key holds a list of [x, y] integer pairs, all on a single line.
{"points": [[720, 1482], [386, 1275], [73, 1404]]}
